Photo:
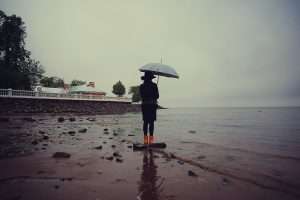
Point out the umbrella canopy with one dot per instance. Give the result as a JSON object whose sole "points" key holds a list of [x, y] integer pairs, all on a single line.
{"points": [[160, 69]]}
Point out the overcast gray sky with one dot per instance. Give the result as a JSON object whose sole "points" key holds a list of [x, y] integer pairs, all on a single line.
{"points": [[227, 52]]}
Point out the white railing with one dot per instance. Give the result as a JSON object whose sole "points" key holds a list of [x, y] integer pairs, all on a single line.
{"points": [[67, 96]]}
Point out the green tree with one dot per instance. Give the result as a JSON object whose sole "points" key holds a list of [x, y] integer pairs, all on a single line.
{"points": [[54, 82], [119, 89], [17, 69], [77, 82], [135, 91]]}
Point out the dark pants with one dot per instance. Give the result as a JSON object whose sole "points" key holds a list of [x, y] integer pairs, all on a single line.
{"points": [[149, 116], [150, 125]]}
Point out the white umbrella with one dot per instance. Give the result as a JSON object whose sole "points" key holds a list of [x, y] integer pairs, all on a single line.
{"points": [[160, 70]]}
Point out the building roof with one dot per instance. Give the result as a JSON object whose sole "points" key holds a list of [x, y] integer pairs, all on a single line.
{"points": [[84, 89]]}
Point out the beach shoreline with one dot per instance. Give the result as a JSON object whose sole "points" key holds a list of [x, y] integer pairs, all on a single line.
{"points": [[99, 163]]}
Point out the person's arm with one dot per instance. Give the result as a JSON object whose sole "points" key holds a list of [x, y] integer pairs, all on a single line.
{"points": [[156, 92], [141, 92]]}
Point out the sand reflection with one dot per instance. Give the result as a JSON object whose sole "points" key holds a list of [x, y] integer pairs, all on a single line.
{"points": [[150, 187]]}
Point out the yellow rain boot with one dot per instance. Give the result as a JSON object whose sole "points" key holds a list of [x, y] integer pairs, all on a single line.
{"points": [[151, 139], [146, 139]]}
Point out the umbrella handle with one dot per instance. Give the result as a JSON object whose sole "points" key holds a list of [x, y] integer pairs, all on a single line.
{"points": [[157, 79]]}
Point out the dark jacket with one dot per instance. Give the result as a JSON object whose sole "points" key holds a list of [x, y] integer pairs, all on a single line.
{"points": [[149, 94]]}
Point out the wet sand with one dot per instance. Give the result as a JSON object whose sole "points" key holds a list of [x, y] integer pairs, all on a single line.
{"points": [[103, 165]]}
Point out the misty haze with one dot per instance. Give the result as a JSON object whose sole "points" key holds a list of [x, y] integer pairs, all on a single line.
{"points": [[149, 99]]}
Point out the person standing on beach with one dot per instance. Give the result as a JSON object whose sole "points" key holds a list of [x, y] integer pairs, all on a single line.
{"points": [[149, 95]]}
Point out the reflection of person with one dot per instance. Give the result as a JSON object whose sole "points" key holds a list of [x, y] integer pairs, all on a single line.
{"points": [[148, 187], [149, 94]]}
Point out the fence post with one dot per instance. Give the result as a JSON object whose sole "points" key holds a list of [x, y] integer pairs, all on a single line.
{"points": [[9, 92]]}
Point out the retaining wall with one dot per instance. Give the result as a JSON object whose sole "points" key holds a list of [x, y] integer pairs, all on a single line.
{"points": [[27, 105]]}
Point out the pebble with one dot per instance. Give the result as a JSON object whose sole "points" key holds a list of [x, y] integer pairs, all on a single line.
{"points": [[225, 181], [81, 164], [117, 154], [191, 173], [201, 157], [46, 137], [172, 156], [72, 133], [72, 119], [91, 119], [98, 147], [61, 119], [61, 155], [83, 130], [109, 158], [180, 162], [34, 142]]}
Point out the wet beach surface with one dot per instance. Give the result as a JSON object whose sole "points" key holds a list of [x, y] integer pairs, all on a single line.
{"points": [[91, 157]]}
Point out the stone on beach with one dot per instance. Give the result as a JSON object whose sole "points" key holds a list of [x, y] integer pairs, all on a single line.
{"points": [[225, 181], [72, 133], [109, 158], [61, 155], [117, 154], [61, 119], [192, 131], [98, 147], [191, 173], [201, 157], [82, 130], [180, 162], [46, 137], [34, 142], [72, 119], [91, 119]]}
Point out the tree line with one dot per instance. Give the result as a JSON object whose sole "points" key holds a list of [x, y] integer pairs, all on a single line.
{"points": [[18, 70]]}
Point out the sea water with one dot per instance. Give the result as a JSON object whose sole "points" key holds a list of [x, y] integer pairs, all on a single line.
{"points": [[264, 130]]}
